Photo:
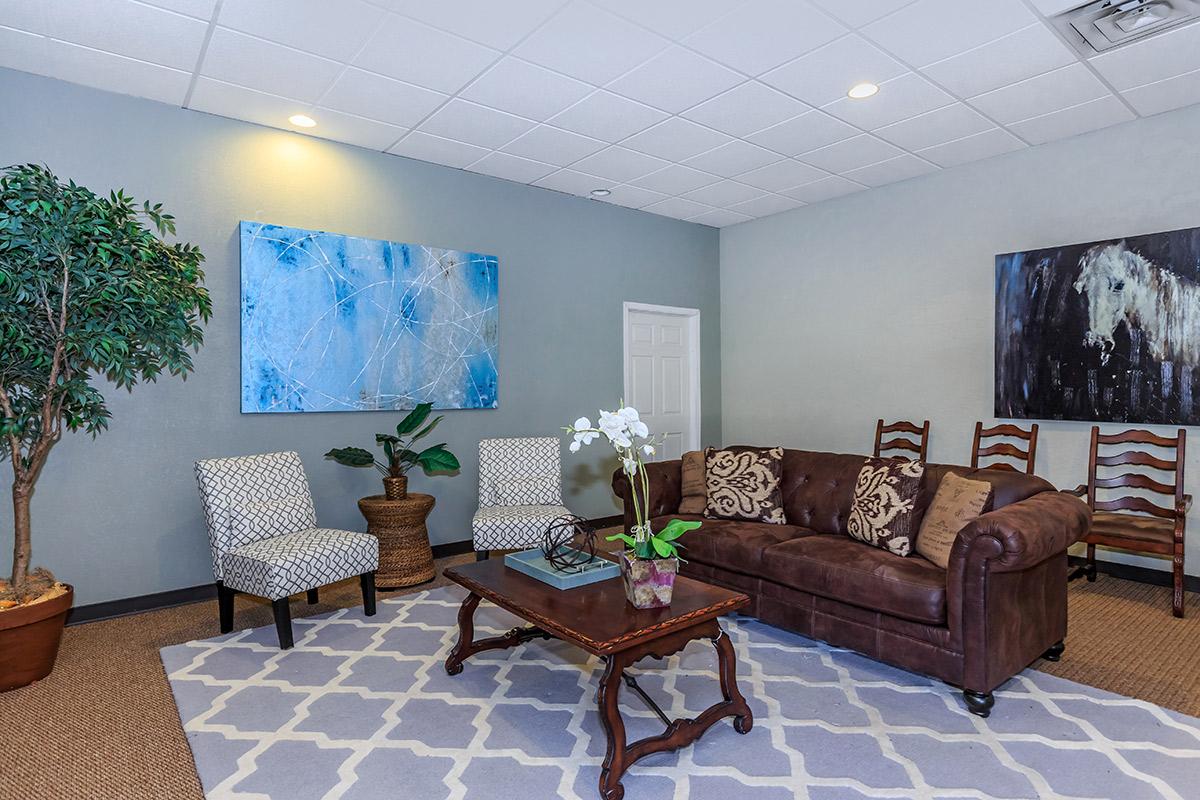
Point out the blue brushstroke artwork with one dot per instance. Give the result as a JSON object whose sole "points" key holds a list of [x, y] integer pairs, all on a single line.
{"points": [[341, 323]]}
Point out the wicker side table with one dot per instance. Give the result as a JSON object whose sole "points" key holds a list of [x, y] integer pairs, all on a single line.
{"points": [[405, 557]]}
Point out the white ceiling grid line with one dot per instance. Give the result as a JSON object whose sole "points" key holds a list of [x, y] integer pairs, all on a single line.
{"points": [[713, 111]]}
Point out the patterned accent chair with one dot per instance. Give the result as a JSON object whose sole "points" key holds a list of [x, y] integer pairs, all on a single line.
{"points": [[265, 541], [520, 493]]}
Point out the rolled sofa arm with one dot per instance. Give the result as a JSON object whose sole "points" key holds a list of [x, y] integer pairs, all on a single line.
{"points": [[666, 489], [1024, 534]]}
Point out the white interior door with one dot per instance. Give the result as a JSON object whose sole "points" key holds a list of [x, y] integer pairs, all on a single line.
{"points": [[662, 373]]}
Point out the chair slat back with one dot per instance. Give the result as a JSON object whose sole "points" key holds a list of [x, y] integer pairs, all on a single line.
{"points": [[914, 439], [1100, 475], [1005, 449]]}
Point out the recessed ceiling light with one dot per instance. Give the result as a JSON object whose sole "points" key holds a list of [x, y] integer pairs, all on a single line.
{"points": [[860, 91], [601, 192], [302, 120]]}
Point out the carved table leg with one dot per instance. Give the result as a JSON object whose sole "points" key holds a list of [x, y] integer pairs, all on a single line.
{"points": [[468, 646], [743, 720], [614, 729]]}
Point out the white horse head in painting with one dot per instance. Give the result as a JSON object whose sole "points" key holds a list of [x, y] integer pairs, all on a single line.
{"points": [[1122, 286]]}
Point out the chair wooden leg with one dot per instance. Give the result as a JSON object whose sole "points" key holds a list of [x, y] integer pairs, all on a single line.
{"points": [[482, 555], [225, 605], [1177, 594], [283, 622], [313, 597], [367, 581], [1091, 563]]}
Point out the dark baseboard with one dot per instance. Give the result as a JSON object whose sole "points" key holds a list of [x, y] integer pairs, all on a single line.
{"points": [[607, 522], [1156, 577], [109, 609]]}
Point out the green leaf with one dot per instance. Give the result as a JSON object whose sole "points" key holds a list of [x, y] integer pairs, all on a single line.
{"points": [[351, 456], [676, 528], [438, 459], [664, 549], [414, 419], [624, 537], [421, 434]]}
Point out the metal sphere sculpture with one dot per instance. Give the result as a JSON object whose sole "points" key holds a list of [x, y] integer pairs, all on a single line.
{"points": [[569, 543]]}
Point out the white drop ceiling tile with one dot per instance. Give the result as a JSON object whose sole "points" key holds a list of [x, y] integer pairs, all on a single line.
{"points": [[675, 179], [782, 175], [128, 29], [896, 169], [827, 73], [1071, 121], [632, 196], [24, 51], [591, 44], [733, 158], [243, 60], [366, 94], [519, 87], [676, 140], [604, 115], [898, 99], [851, 154], [1177, 92], [857, 13], [498, 25], [720, 218], [475, 124], [766, 205], [745, 109], [762, 34], [972, 148], [824, 189], [1165, 55], [572, 182], [351, 129], [1051, 7], [935, 127], [803, 133], [333, 30], [553, 146], [678, 208], [675, 80], [675, 19], [931, 30], [109, 72], [620, 164], [425, 147], [724, 194], [511, 168], [409, 51], [238, 102], [201, 9], [1020, 55], [1052, 91], [24, 16]]}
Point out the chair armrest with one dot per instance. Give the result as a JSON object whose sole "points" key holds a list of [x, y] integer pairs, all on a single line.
{"points": [[1024, 534], [1184, 507], [1079, 491], [666, 489]]}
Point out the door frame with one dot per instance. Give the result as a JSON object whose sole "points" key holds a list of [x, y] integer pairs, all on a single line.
{"points": [[693, 318]]}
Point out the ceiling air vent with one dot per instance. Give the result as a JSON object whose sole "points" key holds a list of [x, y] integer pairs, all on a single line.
{"points": [[1105, 24]]}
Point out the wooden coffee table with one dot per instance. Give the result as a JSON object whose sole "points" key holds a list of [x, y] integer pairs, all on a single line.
{"points": [[597, 618]]}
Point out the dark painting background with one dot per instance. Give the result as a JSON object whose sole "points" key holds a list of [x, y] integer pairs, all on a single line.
{"points": [[1043, 370]]}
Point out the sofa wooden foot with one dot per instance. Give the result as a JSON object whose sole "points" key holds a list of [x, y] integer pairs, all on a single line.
{"points": [[979, 703], [1055, 652]]}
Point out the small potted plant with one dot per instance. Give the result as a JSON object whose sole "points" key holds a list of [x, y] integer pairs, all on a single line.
{"points": [[401, 457], [649, 565]]}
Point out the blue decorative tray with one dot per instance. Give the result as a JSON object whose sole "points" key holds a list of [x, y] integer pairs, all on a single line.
{"points": [[534, 564]]}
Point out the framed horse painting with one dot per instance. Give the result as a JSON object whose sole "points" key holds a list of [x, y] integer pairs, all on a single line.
{"points": [[1105, 331]]}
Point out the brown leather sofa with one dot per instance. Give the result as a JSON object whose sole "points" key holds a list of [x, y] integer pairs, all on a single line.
{"points": [[1001, 604]]}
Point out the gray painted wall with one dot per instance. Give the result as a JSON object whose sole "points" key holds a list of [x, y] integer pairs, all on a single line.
{"points": [[120, 516], [880, 304]]}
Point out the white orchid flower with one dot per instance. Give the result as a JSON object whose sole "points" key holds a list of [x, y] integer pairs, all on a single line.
{"points": [[639, 429], [574, 447], [583, 423], [621, 441], [630, 466], [628, 413], [585, 437], [648, 449], [611, 423]]}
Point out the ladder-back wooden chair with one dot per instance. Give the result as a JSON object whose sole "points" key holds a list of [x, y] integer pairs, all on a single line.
{"points": [[919, 445], [1150, 528], [1005, 449]]}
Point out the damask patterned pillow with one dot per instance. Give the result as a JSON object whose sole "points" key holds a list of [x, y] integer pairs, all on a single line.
{"points": [[743, 483], [531, 490], [885, 499], [265, 519]]}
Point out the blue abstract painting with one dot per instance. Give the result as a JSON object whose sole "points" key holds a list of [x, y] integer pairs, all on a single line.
{"points": [[341, 323]]}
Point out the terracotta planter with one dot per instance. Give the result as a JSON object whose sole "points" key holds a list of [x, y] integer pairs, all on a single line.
{"points": [[395, 488], [648, 582], [29, 639]]}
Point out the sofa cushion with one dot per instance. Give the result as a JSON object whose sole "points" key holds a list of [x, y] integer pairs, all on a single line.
{"points": [[693, 491], [743, 483], [844, 569], [956, 503], [884, 513], [730, 544]]}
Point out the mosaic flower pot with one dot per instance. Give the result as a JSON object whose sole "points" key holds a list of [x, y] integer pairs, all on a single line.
{"points": [[648, 582]]}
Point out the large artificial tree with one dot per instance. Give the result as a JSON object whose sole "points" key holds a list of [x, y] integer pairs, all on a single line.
{"points": [[88, 288]]}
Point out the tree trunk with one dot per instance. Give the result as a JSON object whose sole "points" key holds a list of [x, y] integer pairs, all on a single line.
{"points": [[21, 536]]}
